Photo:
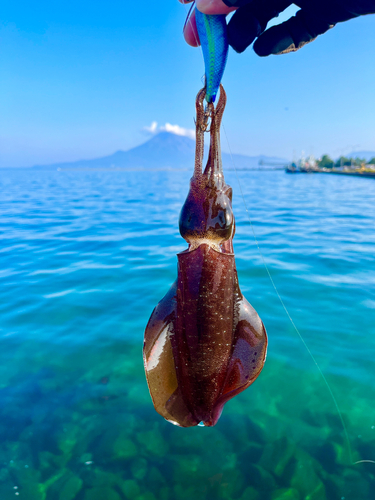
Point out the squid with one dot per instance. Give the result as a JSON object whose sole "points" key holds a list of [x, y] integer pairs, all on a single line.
{"points": [[204, 343]]}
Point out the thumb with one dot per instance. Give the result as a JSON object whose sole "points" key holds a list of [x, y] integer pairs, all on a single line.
{"points": [[291, 35]]}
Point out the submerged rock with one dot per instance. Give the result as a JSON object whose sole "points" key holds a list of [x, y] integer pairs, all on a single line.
{"points": [[67, 438], [285, 494], [51, 464], [318, 494], [153, 442], [64, 486], [139, 468], [101, 494], [7, 492], [4, 475], [277, 455], [155, 479], [350, 484], [94, 477], [187, 493], [250, 493], [70, 488], [146, 496], [251, 454], [130, 489], [27, 479], [231, 484], [261, 479], [305, 478], [124, 448], [115, 444]]}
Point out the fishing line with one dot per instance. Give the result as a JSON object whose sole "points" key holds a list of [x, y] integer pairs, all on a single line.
{"points": [[291, 319], [188, 20], [286, 310]]}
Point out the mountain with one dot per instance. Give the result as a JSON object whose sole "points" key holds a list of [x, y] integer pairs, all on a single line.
{"points": [[164, 151], [361, 154]]}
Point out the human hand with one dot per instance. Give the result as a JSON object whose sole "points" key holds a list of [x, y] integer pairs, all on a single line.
{"points": [[314, 18]]}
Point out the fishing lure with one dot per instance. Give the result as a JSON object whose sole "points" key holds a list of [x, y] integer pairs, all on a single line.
{"points": [[212, 31], [204, 342]]}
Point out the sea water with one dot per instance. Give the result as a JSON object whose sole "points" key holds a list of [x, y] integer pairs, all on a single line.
{"points": [[85, 257]]}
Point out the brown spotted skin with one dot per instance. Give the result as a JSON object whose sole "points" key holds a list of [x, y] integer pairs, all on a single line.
{"points": [[204, 343]]}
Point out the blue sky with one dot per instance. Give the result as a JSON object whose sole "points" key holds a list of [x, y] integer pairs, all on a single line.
{"points": [[83, 79]]}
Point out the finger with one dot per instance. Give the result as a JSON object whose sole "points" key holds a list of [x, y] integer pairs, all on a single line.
{"points": [[208, 7], [186, 1], [214, 7], [291, 35], [190, 31], [251, 19]]}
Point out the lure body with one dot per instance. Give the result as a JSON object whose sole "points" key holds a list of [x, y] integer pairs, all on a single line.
{"points": [[204, 342], [212, 30]]}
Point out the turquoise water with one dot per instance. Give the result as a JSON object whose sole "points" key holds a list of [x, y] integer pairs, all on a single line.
{"points": [[84, 258]]}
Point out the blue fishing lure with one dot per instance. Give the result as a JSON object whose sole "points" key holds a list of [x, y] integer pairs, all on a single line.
{"points": [[212, 30]]}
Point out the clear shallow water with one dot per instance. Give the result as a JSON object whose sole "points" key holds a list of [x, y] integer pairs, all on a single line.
{"points": [[84, 258]]}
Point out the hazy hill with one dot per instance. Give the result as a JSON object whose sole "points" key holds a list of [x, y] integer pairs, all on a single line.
{"points": [[164, 150], [361, 154]]}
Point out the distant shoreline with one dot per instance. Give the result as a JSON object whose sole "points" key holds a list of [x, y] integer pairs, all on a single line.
{"points": [[352, 173], [135, 169], [316, 170]]}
